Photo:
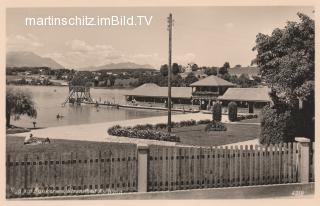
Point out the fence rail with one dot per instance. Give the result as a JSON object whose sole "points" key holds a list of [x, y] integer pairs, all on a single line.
{"points": [[167, 168], [66, 173], [172, 168]]}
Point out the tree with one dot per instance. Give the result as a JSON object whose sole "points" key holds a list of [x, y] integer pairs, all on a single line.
{"points": [[216, 112], [224, 69], [191, 78], [194, 67], [226, 65], [175, 68], [19, 103], [286, 62], [232, 111], [238, 66], [164, 70], [211, 71]]}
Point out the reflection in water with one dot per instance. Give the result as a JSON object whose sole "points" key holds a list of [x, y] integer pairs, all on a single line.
{"points": [[49, 106]]}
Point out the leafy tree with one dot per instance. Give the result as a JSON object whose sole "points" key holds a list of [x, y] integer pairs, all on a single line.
{"points": [[191, 78], [175, 68], [226, 65], [19, 103], [232, 111], [224, 69], [164, 70], [216, 112], [286, 62], [211, 71], [82, 78], [194, 67]]}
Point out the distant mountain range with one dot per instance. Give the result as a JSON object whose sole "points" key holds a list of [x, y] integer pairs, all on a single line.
{"points": [[30, 59], [119, 66]]}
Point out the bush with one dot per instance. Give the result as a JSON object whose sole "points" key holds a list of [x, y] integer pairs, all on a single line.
{"points": [[232, 111], [187, 123], [277, 127], [215, 126], [160, 126], [206, 121], [216, 112], [142, 133], [249, 116]]}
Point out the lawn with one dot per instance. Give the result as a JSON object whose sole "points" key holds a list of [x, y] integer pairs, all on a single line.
{"points": [[192, 135], [196, 135], [15, 144]]}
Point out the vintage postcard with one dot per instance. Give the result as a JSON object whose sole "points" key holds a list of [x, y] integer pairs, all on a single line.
{"points": [[159, 102]]}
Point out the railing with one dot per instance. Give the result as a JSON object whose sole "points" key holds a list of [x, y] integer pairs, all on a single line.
{"points": [[200, 93]]}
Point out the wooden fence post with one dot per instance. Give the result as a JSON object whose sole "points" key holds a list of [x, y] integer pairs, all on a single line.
{"points": [[143, 153], [304, 163]]}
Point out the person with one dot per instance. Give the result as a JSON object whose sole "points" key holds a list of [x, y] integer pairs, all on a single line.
{"points": [[58, 116], [34, 124], [29, 139]]}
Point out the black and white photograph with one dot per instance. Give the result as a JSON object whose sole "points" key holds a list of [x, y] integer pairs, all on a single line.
{"points": [[159, 103]]}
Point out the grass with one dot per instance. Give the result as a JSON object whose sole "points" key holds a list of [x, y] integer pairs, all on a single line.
{"points": [[15, 144], [192, 135], [196, 135]]}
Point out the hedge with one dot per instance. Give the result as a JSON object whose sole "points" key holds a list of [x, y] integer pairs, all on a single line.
{"points": [[216, 112], [130, 132], [232, 111], [277, 127]]}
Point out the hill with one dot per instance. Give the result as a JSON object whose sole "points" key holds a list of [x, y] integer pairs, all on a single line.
{"points": [[119, 66], [30, 59]]}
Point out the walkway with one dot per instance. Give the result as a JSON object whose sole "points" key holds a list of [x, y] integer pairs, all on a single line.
{"points": [[98, 131]]}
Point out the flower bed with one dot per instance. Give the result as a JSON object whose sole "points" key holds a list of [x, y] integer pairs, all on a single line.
{"points": [[137, 132], [249, 116], [149, 131], [215, 126]]}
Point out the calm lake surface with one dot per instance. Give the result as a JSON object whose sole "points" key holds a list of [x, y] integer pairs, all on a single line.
{"points": [[49, 99]]}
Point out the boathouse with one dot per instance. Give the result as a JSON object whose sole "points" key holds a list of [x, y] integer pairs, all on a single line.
{"points": [[207, 90], [249, 98], [153, 93]]}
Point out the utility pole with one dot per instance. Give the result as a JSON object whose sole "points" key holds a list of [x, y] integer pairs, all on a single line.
{"points": [[170, 22]]}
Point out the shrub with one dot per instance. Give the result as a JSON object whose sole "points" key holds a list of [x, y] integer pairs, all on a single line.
{"points": [[206, 121], [249, 116], [142, 133], [160, 126], [232, 111], [277, 127], [187, 123], [216, 112], [215, 126]]}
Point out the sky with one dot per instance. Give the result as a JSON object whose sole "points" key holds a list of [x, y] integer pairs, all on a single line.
{"points": [[208, 36]]}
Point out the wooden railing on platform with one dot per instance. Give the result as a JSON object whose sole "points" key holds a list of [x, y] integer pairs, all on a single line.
{"points": [[177, 168], [66, 173]]}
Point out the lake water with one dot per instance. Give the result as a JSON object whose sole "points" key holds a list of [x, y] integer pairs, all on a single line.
{"points": [[49, 100]]}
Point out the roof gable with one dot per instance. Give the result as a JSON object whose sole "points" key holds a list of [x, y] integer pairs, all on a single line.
{"points": [[247, 94], [212, 81]]}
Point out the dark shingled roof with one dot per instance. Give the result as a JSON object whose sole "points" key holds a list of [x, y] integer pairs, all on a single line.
{"points": [[212, 81], [247, 94], [153, 90]]}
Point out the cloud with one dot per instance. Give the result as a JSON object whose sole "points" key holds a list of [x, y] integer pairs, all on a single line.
{"points": [[79, 54], [184, 59], [23, 42], [229, 25]]}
